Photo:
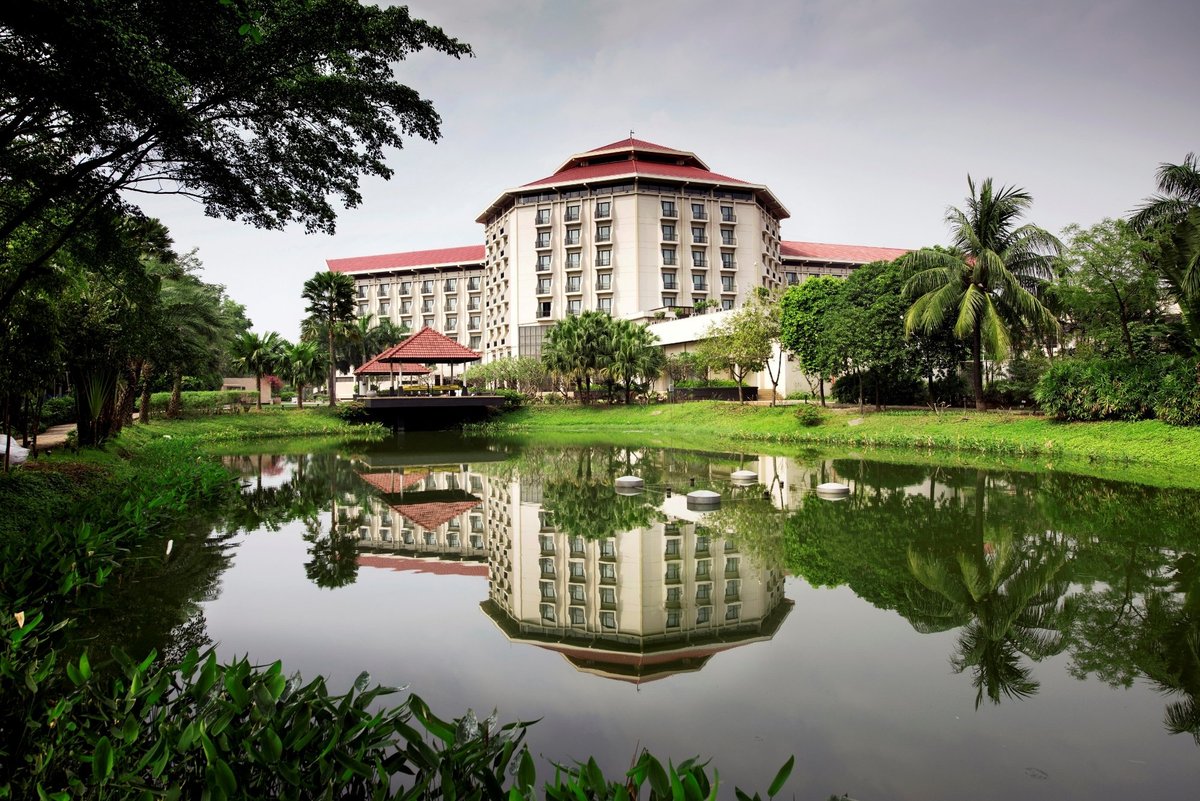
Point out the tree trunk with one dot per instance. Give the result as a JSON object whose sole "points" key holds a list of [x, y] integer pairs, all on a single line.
{"points": [[25, 418], [37, 421], [144, 408], [333, 369], [821, 389], [878, 405], [861, 409], [7, 434], [300, 396], [175, 404], [977, 368], [258, 392]]}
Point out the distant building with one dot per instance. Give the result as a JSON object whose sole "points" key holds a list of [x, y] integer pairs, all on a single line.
{"points": [[631, 228]]}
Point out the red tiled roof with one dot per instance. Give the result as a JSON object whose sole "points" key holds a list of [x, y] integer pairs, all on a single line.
{"points": [[850, 254], [432, 514], [646, 169], [376, 367], [392, 481], [468, 254], [438, 568], [635, 144], [429, 347]]}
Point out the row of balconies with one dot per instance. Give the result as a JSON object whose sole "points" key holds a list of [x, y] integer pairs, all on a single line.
{"points": [[601, 211], [670, 211], [546, 287], [699, 237], [474, 284]]}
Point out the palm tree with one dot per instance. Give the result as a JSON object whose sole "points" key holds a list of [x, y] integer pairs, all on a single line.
{"points": [[258, 355], [330, 299], [1179, 192], [194, 332], [635, 355], [301, 366], [984, 279]]}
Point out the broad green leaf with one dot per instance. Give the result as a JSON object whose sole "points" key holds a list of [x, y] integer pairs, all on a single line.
{"points": [[781, 776]]}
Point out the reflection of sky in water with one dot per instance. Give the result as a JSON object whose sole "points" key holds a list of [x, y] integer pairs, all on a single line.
{"points": [[868, 706]]}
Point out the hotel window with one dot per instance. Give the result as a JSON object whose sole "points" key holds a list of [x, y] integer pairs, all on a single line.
{"points": [[668, 301], [576, 591], [576, 569], [430, 539], [604, 257], [406, 306], [543, 240], [703, 593], [702, 542], [727, 262], [406, 322], [543, 262], [703, 614], [608, 620], [543, 217], [673, 573], [383, 290], [451, 285], [697, 211], [384, 307], [426, 287], [608, 572], [543, 310], [362, 310], [451, 304], [451, 323], [473, 283], [572, 236], [727, 214], [726, 304], [603, 233], [727, 283], [406, 287], [608, 547], [603, 282], [608, 596], [793, 279], [674, 595], [548, 613], [698, 259], [475, 341], [473, 323], [576, 544], [427, 322], [672, 546], [362, 290], [476, 540], [573, 261], [673, 619], [727, 236], [543, 286], [547, 589], [732, 587], [698, 235], [698, 283], [668, 232], [473, 303], [697, 299], [668, 255], [574, 283], [427, 306], [604, 305], [603, 209], [576, 616], [572, 213], [668, 209], [731, 565], [733, 612], [574, 306], [703, 567]]}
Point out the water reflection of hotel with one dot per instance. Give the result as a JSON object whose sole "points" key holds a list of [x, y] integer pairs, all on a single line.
{"points": [[637, 606]]}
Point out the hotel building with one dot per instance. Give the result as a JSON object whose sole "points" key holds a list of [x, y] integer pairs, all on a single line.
{"points": [[631, 228]]}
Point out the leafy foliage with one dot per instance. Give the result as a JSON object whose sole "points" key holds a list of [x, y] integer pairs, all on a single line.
{"points": [[1109, 389]]}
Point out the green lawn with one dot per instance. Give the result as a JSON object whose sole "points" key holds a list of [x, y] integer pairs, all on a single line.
{"points": [[1147, 451]]}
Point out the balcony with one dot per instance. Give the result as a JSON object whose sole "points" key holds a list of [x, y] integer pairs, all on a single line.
{"points": [[670, 285], [728, 217], [728, 264], [699, 286], [544, 289], [543, 266], [700, 264], [729, 241], [670, 213], [670, 236], [699, 239], [572, 215], [727, 288], [543, 218], [699, 214], [603, 237], [603, 211], [542, 243]]}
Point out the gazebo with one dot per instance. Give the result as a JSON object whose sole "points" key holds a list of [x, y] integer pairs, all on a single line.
{"points": [[377, 368], [424, 348]]}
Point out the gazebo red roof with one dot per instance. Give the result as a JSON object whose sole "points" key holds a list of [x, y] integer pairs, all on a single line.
{"points": [[432, 514], [429, 347], [376, 367], [392, 481]]}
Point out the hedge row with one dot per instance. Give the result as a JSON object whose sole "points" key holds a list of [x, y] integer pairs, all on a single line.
{"points": [[1165, 387]]}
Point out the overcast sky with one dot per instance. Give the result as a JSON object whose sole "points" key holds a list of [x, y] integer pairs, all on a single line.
{"points": [[864, 117]]}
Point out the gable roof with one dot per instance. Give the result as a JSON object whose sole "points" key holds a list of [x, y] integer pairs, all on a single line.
{"points": [[432, 514], [847, 254], [393, 481], [376, 367], [441, 257], [428, 347]]}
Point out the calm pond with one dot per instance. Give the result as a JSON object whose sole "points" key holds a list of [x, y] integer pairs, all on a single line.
{"points": [[942, 633]]}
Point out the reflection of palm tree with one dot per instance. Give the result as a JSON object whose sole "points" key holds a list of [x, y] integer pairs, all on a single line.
{"points": [[1170, 646], [1011, 599], [333, 560]]}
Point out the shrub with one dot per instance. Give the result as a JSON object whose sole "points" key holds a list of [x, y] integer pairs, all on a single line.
{"points": [[1178, 401], [1017, 388], [58, 410], [705, 382], [1114, 389], [512, 399], [895, 389], [198, 404], [809, 416], [353, 412]]}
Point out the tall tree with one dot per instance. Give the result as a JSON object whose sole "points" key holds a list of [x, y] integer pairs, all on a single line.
{"points": [[636, 356], [258, 355], [986, 278], [263, 111], [740, 344], [1178, 193], [805, 324], [301, 366], [330, 299]]}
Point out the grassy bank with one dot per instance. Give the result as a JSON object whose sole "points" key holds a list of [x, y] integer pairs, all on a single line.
{"points": [[1144, 451]]}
